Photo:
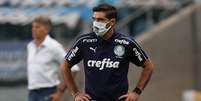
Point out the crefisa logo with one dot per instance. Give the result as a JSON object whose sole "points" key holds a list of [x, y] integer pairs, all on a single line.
{"points": [[101, 64]]}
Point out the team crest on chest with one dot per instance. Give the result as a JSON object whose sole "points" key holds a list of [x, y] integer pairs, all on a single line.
{"points": [[119, 50]]}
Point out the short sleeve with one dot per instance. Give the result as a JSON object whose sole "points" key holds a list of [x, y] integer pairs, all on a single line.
{"points": [[60, 54], [136, 54], [74, 55]]}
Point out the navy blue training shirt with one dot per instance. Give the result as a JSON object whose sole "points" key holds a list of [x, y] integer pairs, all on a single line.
{"points": [[106, 63]]}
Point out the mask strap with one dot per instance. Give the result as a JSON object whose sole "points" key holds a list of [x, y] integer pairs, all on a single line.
{"points": [[108, 23]]}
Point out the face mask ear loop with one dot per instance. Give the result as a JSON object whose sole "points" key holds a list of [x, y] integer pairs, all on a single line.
{"points": [[108, 27], [107, 23]]}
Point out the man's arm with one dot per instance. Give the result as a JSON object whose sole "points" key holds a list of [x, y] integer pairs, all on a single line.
{"points": [[69, 81], [62, 86], [146, 74], [68, 78], [143, 81]]}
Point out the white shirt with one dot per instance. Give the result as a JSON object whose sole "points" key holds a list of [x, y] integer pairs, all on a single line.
{"points": [[44, 63]]}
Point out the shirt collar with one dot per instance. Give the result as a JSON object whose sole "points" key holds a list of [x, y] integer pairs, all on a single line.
{"points": [[46, 41], [110, 39]]}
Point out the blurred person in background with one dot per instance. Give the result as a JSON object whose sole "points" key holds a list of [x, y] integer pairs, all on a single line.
{"points": [[106, 55], [45, 56]]}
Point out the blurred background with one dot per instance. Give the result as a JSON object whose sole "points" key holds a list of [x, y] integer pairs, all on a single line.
{"points": [[169, 30]]}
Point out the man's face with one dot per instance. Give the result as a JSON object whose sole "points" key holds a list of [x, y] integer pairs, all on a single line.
{"points": [[39, 30], [101, 17]]}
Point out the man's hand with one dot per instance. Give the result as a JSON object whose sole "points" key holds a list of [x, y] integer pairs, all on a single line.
{"points": [[56, 96], [130, 96], [82, 97]]}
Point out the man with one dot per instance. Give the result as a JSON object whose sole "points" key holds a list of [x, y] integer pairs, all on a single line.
{"points": [[45, 56], [106, 55]]}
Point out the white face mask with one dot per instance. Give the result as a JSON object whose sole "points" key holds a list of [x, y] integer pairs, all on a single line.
{"points": [[100, 28]]}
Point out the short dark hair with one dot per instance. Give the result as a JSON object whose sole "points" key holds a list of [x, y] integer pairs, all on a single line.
{"points": [[111, 11], [44, 20]]}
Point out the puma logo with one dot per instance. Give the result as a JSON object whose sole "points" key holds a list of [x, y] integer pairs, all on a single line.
{"points": [[93, 49]]}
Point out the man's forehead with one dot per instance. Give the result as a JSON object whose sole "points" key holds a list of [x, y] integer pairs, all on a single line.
{"points": [[37, 24], [99, 14]]}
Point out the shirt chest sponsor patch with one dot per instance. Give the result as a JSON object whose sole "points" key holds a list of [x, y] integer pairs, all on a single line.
{"points": [[101, 64]]}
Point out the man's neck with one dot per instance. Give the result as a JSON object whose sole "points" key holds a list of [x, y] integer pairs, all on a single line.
{"points": [[39, 41]]}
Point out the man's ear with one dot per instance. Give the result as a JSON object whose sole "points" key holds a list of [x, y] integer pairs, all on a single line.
{"points": [[47, 29], [113, 21]]}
